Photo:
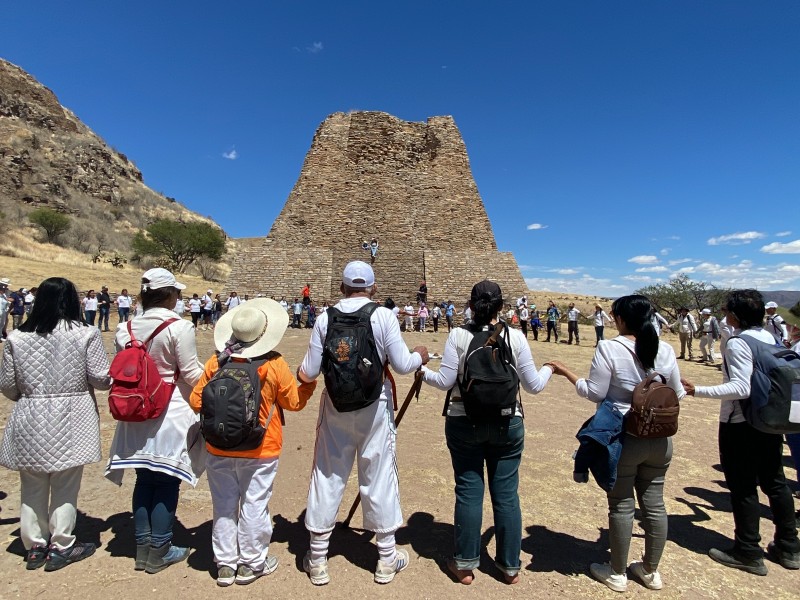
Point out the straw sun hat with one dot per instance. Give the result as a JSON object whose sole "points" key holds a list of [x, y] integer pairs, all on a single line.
{"points": [[257, 325]]}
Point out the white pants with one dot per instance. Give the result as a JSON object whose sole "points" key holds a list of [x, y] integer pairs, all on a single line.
{"points": [[49, 507], [707, 346], [240, 492], [368, 435]]}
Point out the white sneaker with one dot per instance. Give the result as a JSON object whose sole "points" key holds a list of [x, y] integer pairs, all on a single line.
{"points": [[317, 573], [652, 581], [386, 571], [604, 574]]}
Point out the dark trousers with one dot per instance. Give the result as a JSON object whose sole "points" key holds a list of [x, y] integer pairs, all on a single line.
{"points": [[102, 322], [551, 326], [90, 314], [752, 459], [155, 500], [524, 325], [598, 331], [535, 331], [435, 324], [572, 327]]}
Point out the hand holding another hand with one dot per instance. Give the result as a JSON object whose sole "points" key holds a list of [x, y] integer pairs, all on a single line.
{"points": [[423, 352], [688, 386]]}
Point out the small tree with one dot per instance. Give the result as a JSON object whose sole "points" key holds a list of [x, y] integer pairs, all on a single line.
{"points": [[682, 291], [54, 223], [179, 244]]}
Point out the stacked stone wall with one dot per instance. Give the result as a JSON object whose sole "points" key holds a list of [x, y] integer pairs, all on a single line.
{"points": [[368, 175]]}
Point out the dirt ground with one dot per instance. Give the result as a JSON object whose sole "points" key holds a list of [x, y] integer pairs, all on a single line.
{"points": [[564, 523]]}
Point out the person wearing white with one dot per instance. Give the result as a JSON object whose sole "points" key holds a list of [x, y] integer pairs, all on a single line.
{"points": [[408, 310], [180, 307], [750, 458], [659, 322], [168, 450], [617, 367], [51, 365], [572, 323], [725, 331], [366, 435], [123, 302], [523, 320], [498, 443], [233, 301], [710, 333], [600, 318], [686, 329], [775, 324]]}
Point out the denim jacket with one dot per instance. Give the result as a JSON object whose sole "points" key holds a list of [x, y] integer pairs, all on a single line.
{"points": [[600, 447]]}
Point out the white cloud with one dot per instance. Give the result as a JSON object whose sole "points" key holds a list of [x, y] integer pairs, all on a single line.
{"points": [[536, 226], [746, 274], [231, 154], [789, 270], [680, 261], [314, 48], [641, 279], [736, 239], [778, 248], [783, 234], [644, 260], [665, 251], [567, 271], [658, 269]]}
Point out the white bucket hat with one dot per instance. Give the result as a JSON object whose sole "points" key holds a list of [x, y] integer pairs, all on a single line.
{"points": [[257, 326]]}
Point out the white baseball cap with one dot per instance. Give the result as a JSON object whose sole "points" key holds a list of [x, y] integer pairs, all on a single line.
{"points": [[771, 305], [160, 278], [706, 311], [358, 274]]}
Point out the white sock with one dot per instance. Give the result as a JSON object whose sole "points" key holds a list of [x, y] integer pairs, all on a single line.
{"points": [[386, 546], [319, 547]]}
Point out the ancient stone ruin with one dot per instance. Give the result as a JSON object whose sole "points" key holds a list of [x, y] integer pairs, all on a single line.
{"points": [[369, 174]]}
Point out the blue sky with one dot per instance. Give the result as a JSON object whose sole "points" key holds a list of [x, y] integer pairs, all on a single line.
{"points": [[614, 144]]}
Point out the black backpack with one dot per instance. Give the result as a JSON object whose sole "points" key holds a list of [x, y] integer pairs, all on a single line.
{"points": [[231, 403], [350, 361], [489, 387]]}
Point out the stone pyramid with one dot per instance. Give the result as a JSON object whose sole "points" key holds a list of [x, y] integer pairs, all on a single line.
{"points": [[369, 174]]}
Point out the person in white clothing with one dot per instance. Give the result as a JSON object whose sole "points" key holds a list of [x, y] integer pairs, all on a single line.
{"points": [[408, 311], [617, 367], [600, 318], [686, 327], [233, 301], [775, 324], [572, 323], [180, 307], [366, 435], [659, 322], [523, 320], [496, 442], [710, 334], [750, 458], [168, 450]]}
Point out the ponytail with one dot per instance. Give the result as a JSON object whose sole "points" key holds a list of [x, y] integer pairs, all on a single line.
{"points": [[637, 313]]}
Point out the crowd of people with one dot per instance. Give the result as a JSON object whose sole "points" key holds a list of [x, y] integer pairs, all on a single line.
{"points": [[485, 444]]}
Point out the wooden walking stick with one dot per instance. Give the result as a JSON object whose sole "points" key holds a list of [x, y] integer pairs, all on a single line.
{"points": [[414, 391]]}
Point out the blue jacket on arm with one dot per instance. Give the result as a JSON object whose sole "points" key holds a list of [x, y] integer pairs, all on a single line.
{"points": [[600, 447]]}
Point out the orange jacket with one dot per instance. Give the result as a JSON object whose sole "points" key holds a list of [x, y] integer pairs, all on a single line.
{"points": [[277, 385]]}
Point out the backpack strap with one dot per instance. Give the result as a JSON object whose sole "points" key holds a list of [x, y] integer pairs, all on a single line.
{"points": [[161, 327]]}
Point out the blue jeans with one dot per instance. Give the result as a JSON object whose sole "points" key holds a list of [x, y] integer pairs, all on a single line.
{"points": [[155, 500], [498, 444], [90, 314], [123, 313], [103, 313]]}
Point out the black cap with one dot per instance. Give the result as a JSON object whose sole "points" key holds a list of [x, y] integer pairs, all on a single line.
{"points": [[486, 290]]}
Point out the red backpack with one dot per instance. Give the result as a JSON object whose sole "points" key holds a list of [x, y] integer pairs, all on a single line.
{"points": [[137, 391]]}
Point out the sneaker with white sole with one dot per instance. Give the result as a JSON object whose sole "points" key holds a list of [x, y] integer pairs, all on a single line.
{"points": [[225, 576], [245, 574], [605, 574], [652, 581], [317, 573], [386, 571]]}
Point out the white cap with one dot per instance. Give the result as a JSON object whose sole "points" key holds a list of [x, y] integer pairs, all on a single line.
{"points": [[771, 305], [706, 311], [358, 274], [160, 278]]}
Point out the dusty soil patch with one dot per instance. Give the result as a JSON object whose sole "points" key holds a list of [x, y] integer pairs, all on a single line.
{"points": [[564, 522]]}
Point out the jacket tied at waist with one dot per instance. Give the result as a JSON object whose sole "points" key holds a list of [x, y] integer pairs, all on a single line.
{"points": [[601, 439]]}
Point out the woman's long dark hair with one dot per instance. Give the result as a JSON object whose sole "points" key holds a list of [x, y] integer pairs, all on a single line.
{"points": [[637, 313], [485, 309], [748, 306], [56, 300]]}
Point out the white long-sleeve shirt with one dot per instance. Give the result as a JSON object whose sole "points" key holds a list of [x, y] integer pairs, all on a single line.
{"points": [[600, 317], [452, 367], [614, 372], [387, 338], [736, 373], [776, 326]]}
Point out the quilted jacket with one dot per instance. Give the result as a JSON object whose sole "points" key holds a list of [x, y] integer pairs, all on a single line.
{"points": [[54, 424]]}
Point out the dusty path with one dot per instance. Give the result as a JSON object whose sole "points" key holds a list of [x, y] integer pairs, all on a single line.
{"points": [[564, 523]]}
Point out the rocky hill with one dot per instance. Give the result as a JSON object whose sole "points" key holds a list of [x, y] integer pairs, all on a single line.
{"points": [[48, 157]]}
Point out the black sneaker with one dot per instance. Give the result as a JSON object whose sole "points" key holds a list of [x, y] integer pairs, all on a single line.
{"points": [[728, 558], [36, 557], [58, 559], [788, 560]]}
